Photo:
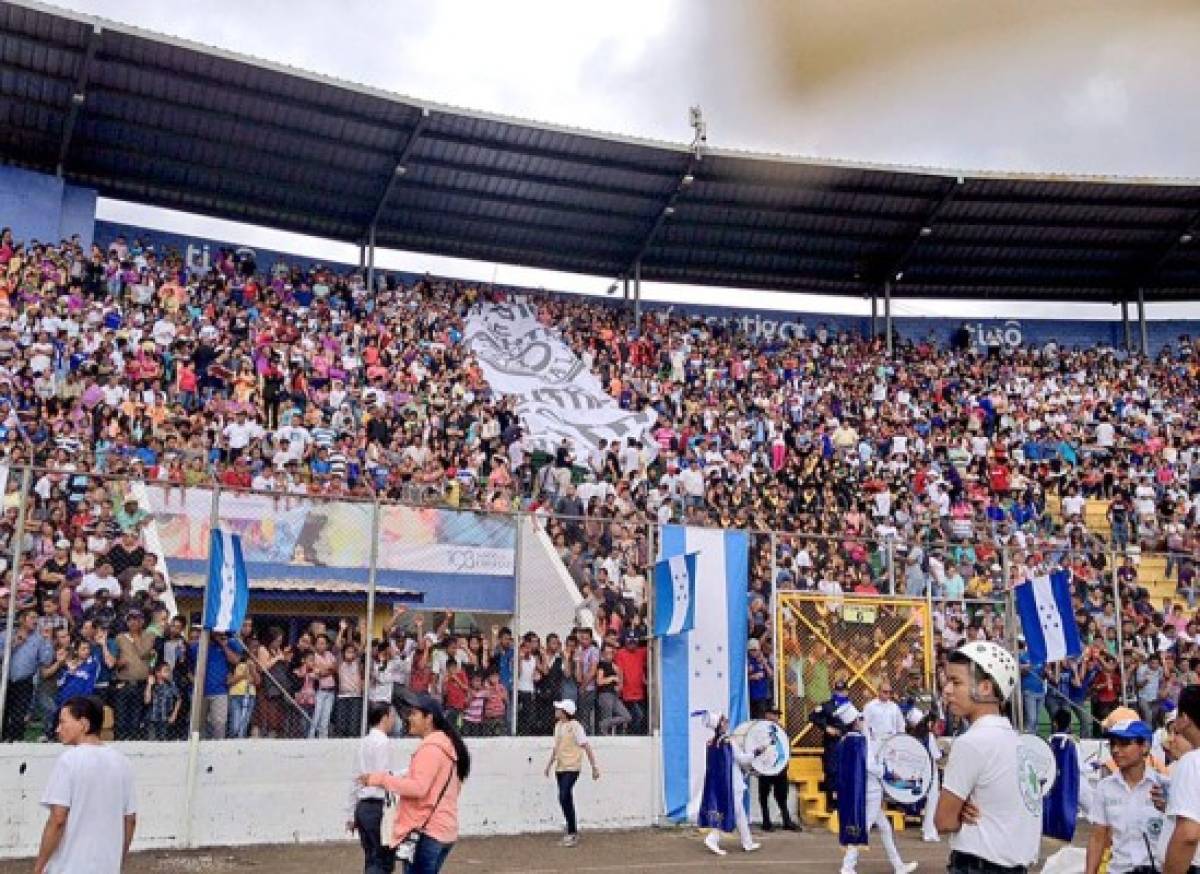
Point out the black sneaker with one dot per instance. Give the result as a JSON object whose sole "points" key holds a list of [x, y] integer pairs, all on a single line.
{"points": [[767, 827], [792, 827]]}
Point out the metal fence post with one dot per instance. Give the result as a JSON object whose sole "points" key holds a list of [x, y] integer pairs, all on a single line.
{"points": [[1116, 590], [1010, 626], [195, 720], [516, 621], [653, 678], [14, 578], [890, 544], [369, 632], [773, 609]]}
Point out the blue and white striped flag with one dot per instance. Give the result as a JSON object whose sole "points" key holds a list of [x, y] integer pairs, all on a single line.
{"points": [[705, 668], [228, 586], [1048, 618], [674, 595]]}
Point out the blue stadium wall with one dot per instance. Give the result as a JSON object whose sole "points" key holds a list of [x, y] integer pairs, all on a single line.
{"points": [[41, 207], [773, 323]]}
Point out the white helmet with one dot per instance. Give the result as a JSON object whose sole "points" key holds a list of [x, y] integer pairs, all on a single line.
{"points": [[995, 661]]}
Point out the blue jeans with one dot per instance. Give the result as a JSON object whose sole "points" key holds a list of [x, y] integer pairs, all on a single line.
{"points": [[429, 858], [240, 709], [1033, 709], [319, 727]]}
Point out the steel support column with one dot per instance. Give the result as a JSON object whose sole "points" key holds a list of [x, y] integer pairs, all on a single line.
{"points": [[371, 260], [887, 315], [78, 97], [637, 298], [1141, 302], [874, 315], [1125, 324]]}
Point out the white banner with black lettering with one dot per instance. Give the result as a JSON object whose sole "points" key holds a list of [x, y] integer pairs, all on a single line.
{"points": [[558, 396]]}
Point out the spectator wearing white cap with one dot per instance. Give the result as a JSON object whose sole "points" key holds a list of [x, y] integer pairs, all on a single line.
{"points": [[566, 759]]}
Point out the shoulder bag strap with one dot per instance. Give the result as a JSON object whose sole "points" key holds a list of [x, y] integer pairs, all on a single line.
{"points": [[445, 787]]}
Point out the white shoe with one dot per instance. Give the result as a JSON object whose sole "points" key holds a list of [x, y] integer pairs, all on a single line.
{"points": [[751, 847], [931, 839], [714, 844], [907, 868]]}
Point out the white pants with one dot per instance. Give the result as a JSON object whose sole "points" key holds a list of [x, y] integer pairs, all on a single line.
{"points": [[743, 829], [875, 817], [928, 829]]}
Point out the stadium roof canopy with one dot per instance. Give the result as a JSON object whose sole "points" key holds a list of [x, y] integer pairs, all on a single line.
{"points": [[158, 120]]}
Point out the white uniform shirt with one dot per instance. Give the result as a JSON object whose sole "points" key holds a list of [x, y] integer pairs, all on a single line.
{"points": [[1184, 799], [1131, 816], [882, 720], [373, 758], [985, 768], [95, 783]]}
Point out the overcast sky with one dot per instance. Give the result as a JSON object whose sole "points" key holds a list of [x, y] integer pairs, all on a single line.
{"points": [[1074, 86]]}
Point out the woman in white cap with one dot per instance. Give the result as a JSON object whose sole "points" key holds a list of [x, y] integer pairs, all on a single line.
{"points": [[566, 758], [860, 794], [723, 802], [991, 801]]}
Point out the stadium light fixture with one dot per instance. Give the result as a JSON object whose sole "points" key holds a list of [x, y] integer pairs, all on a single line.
{"points": [[669, 211], [1184, 239], [899, 275], [926, 231], [688, 179]]}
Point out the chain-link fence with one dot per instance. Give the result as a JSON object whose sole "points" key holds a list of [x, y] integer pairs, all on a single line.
{"points": [[498, 615], [501, 614]]}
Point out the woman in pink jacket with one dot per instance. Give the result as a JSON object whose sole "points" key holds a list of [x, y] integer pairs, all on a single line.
{"points": [[429, 791]]}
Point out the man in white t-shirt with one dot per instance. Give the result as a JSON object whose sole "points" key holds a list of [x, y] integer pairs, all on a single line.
{"points": [[990, 802], [882, 716], [100, 579], [90, 798], [1179, 844]]}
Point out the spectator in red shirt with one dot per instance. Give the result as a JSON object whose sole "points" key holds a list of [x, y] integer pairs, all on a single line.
{"points": [[630, 660]]}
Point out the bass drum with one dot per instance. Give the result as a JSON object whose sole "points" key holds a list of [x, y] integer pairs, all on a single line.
{"points": [[907, 768], [770, 738]]}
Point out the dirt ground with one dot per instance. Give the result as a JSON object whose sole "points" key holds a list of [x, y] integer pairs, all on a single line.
{"points": [[631, 852]]}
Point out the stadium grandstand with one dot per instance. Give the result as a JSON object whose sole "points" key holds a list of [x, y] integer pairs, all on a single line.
{"points": [[875, 457]]}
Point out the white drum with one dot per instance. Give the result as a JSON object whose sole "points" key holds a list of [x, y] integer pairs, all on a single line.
{"points": [[907, 768], [770, 738], [1035, 762]]}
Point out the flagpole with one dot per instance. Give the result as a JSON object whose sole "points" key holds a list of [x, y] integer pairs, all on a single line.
{"points": [[198, 683]]}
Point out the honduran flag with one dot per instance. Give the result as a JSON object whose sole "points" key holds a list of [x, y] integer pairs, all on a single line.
{"points": [[704, 668], [674, 595], [228, 593], [1047, 618]]}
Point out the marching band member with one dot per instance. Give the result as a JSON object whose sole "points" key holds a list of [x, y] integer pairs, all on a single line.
{"points": [[1060, 807], [860, 794], [1123, 813], [990, 802], [921, 727], [725, 799]]}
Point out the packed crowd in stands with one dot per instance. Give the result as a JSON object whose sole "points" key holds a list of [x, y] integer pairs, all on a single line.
{"points": [[944, 471]]}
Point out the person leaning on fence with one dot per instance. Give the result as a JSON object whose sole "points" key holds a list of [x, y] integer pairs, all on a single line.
{"points": [[31, 651], [90, 797], [365, 809], [427, 823]]}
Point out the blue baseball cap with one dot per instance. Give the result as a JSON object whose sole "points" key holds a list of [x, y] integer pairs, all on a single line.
{"points": [[1130, 729]]}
